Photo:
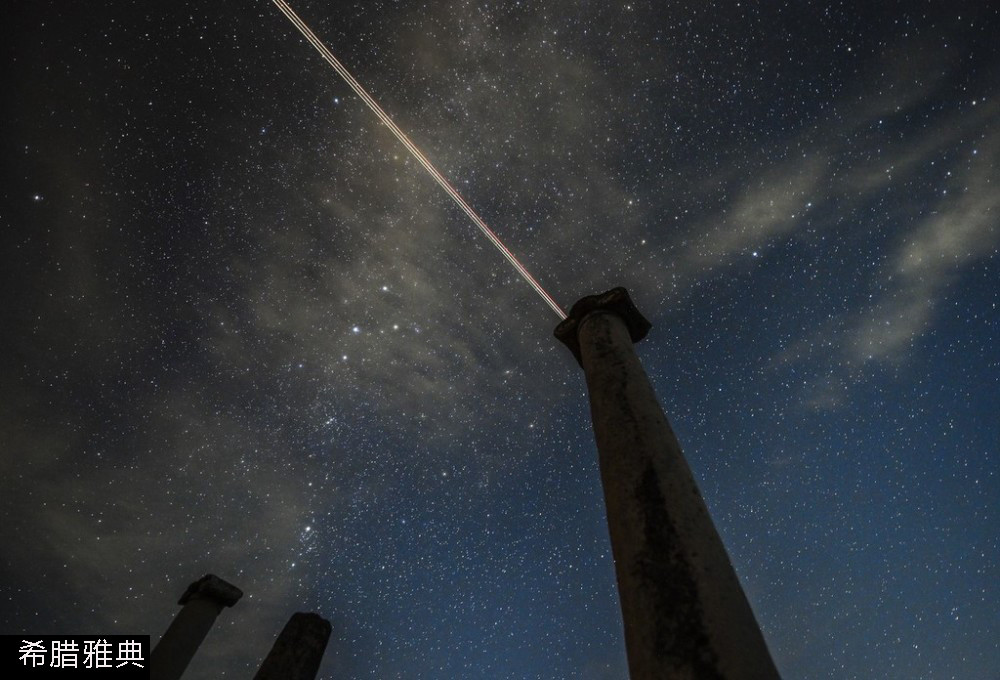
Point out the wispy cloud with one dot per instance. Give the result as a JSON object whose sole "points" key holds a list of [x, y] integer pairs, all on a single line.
{"points": [[840, 170], [964, 227], [769, 210]]}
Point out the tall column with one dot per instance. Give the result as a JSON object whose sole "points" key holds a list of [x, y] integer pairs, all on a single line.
{"points": [[684, 611], [298, 651], [202, 602]]}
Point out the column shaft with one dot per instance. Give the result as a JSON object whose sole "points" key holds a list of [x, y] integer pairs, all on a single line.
{"points": [[684, 611], [298, 651], [202, 602], [177, 647]]}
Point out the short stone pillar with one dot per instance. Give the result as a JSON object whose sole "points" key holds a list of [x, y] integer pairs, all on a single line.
{"points": [[298, 651], [202, 602], [684, 611]]}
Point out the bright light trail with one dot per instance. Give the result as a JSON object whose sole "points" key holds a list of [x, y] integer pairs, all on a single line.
{"points": [[417, 154]]}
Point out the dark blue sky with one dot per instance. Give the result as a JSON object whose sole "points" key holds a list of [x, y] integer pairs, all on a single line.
{"points": [[245, 334]]}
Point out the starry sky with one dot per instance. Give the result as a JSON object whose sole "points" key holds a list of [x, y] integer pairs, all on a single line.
{"points": [[245, 334]]}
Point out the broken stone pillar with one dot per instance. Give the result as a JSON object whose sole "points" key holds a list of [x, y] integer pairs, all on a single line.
{"points": [[202, 602], [684, 611], [298, 651]]}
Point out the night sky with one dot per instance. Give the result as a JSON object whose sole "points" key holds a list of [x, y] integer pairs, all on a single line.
{"points": [[243, 333]]}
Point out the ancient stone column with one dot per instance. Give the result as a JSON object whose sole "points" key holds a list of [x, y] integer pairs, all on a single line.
{"points": [[298, 651], [202, 602], [684, 611]]}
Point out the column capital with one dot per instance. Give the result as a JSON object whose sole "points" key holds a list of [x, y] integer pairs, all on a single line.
{"points": [[211, 587], [615, 301]]}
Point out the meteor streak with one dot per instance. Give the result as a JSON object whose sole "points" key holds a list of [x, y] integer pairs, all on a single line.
{"points": [[417, 154]]}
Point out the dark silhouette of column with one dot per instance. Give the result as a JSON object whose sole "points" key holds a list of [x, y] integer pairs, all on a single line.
{"points": [[298, 651], [202, 602], [684, 611]]}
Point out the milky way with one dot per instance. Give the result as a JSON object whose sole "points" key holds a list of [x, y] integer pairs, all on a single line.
{"points": [[246, 334]]}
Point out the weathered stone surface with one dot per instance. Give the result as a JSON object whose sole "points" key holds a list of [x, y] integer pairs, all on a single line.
{"points": [[684, 611], [202, 602], [298, 651]]}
